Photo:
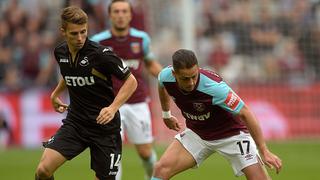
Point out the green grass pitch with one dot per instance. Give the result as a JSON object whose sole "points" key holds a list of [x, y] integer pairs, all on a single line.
{"points": [[301, 160]]}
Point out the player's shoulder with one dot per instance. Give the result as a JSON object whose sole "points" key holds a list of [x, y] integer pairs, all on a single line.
{"points": [[210, 82], [166, 75], [103, 35], [61, 47], [210, 75], [138, 33]]}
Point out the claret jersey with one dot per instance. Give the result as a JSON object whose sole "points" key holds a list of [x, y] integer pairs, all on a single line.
{"points": [[88, 79], [210, 109], [135, 50]]}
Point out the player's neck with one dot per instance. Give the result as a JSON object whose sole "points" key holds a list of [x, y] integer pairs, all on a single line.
{"points": [[120, 33]]}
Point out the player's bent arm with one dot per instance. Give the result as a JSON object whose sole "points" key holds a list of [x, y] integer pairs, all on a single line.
{"points": [[170, 121], [61, 86], [57, 104], [271, 160], [125, 92], [164, 98], [254, 128], [153, 67]]}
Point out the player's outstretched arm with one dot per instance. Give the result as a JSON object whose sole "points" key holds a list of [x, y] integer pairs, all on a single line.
{"points": [[271, 160], [126, 90]]}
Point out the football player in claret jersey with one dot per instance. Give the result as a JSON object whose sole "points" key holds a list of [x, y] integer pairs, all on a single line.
{"points": [[217, 120], [134, 47], [93, 119]]}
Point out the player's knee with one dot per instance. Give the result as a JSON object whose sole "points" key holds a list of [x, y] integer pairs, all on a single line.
{"points": [[145, 153], [162, 170], [43, 172]]}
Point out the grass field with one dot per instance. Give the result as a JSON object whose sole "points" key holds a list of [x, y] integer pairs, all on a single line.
{"points": [[301, 160]]}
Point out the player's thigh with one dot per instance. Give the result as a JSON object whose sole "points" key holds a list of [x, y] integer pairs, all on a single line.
{"points": [[240, 150], [51, 160], [176, 159], [137, 122], [67, 141], [106, 154], [196, 146], [64, 145], [256, 172]]}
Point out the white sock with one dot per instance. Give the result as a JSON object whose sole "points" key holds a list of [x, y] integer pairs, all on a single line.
{"points": [[149, 164]]}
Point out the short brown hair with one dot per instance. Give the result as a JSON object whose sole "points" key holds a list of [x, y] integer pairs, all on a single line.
{"points": [[74, 15], [114, 1], [184, 59]]}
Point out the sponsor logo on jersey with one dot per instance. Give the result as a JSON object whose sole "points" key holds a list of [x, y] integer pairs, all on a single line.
{"points": [[201, 117], [199, 107], [79, 81], [135, 47], [84, 61], [64, 60], [232, 100]]}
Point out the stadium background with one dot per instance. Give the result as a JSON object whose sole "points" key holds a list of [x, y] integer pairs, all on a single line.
{"points": [[267, 50]]}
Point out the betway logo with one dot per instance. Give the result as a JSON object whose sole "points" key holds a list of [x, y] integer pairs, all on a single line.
{"points": [[79, 81], [201, 117]]}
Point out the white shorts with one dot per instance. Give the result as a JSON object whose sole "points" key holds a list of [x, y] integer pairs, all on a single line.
{"points": [[240, 150], [136, 122]]}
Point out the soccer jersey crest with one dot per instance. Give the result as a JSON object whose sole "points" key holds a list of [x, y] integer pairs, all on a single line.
{"points": [[84, 61], [199, 106], [135, 47]]}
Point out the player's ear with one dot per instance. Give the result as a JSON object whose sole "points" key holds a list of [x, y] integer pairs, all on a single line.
{"points": [[173, 73], [63, 31]]}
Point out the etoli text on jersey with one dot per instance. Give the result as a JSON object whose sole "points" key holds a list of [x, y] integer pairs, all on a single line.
{"points": [[79, 81]]}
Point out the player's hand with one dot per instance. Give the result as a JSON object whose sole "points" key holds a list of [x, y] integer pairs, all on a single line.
{"points": [[271, 160], [106, 115], [172, 123], [58, 105]]}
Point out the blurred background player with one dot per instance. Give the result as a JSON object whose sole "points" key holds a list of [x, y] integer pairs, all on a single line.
{"points": [[93, 119], [134, 47], [217, 121]]}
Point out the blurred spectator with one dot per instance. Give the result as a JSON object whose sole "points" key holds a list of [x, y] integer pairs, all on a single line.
{"points": [[264, 34], [220, 54], [290, 61], [5, 132]]}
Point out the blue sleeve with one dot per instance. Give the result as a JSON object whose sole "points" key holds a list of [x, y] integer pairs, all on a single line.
{"points": [[101, 36], [165, 75], [222, 94]]}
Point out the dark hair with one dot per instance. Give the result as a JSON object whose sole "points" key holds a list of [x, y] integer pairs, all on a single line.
{"points": [[184, 59], [74, 15], [114, 1]]}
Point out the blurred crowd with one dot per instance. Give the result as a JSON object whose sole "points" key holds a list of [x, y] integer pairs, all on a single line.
{"points": [[265, 41], [29, 30]]}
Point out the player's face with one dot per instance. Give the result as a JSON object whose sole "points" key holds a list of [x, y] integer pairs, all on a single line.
{"points": [[75, 35], [120, 15], [187, 78]]}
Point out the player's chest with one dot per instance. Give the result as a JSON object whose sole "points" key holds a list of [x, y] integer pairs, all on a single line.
{"points": [[78, 65], [128, 49], [193, 102]]}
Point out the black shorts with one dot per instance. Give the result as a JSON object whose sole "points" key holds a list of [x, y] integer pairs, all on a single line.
{"points": [[105, 150]]}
